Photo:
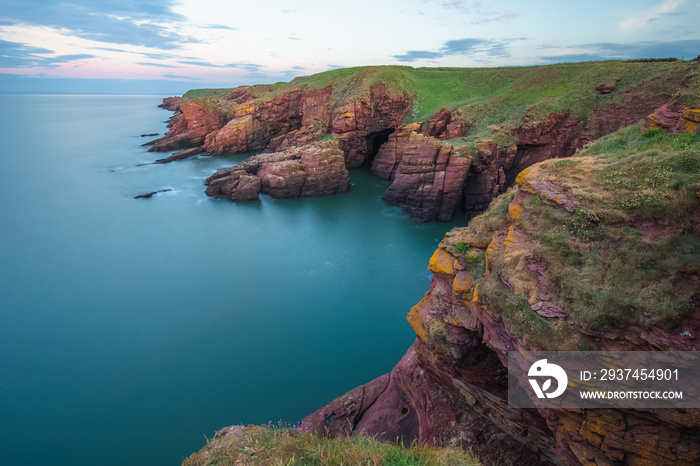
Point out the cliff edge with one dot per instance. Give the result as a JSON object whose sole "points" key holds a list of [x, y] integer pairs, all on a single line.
{"points": [[449, 139], [600, 251]]}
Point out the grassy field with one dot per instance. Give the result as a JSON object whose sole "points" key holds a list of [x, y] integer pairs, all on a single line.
{"points": [[263, 446]]}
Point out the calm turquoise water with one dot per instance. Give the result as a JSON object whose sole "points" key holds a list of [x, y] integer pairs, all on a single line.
{"points": [[131, 328]]}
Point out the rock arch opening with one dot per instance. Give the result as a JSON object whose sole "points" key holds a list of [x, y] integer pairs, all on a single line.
{"points": [[374, 142]]}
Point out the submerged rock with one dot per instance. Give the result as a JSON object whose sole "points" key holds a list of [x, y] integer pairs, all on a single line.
{"points": [[148, 195], [181, 155]]}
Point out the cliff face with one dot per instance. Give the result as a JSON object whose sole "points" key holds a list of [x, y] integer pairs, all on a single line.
{"points": [[597, 249], [312, 170], [427, 190], [293, 118], [455, 159], [572, 258]]}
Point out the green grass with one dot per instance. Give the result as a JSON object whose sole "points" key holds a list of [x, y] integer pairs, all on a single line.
{"points": [[202, 93], [627, 254], [493, 101], [624, 255], [263, 446]]}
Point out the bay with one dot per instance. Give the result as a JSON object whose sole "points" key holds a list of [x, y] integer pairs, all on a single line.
{"points": [[132, 328]]}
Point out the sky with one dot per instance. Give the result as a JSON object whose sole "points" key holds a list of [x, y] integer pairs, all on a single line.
{"points": [[170, 46]]}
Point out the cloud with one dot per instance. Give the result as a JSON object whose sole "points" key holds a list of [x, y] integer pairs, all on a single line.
{"points": [[466, 47], [481, 11], [157, 56], [198, 63], [178, 76], [642, 18], [161, 65], [130, 22], [414, 55], [471, 46], [67, 58], [17, 55], [250, 67], [643, 49], [571, 58], [109, 49], [219, 26], [20, 54]]}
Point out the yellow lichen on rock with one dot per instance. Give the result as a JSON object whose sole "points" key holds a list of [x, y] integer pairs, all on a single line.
{"points": [[416, 322], [524, 183], [691, 117], [514, 209], [245, 109], [442, 262]]}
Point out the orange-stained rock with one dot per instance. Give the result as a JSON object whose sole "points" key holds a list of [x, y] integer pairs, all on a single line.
{"points": [[463, 282], [515, 207], [675, 118], [442, 262], [664, 117], [415, 320], [691, 120]]}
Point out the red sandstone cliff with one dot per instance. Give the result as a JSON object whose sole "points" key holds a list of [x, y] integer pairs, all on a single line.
{"points": [[494, 289], [308, 171], [292, 118], [435, 172]]}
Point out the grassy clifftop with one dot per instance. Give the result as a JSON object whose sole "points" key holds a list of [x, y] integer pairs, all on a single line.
{"points": [[615, 233], [489, 99]]}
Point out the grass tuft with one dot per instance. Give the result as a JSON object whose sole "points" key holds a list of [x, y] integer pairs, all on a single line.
{"points": [[263, 446]]}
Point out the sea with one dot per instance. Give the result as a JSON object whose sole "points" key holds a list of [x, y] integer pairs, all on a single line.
{"points": [[132, 329]]}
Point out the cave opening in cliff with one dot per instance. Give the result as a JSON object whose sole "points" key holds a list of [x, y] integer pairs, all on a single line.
{"points": [[518, 165], [374, 142]]}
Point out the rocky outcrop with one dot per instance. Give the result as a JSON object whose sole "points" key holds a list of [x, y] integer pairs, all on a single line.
{"points": [[412, 162], [434, 174], [181, 155], [418, 401], [151, 194], [444, 125], [434, 180], [293, 118], [450, 388], [675, 118], [427, 176], [171, 103], [313, 170], [189, 126]]}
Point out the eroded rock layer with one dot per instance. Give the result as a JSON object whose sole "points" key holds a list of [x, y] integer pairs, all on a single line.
{"points": [[295, 117], [308, 171], [460, 157], [493, 292]]}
